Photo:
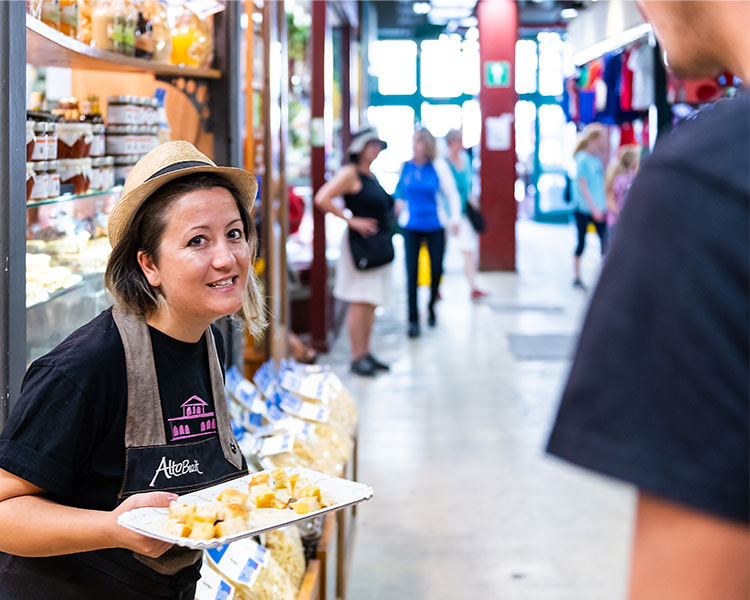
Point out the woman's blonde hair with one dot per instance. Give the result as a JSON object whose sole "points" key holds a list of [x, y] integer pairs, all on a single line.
{"points": [[428, 141], [454, 135], [590, 133], [629, 157]]}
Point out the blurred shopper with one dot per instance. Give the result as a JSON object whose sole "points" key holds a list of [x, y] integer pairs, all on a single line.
{"points": [[96, 424], [619, 179], [588, 192], [468, 240], [369, 214], [658, 392], [429, 203]]}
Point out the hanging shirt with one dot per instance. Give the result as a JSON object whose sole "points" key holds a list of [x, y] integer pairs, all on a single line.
{"points": [[626, 83], [641, 62]]}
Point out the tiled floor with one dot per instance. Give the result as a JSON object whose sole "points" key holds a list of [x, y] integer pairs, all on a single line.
{"points": [[466, 503]]}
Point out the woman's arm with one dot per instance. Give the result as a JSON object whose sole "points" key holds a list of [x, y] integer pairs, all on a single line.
{"points": [[32, 525], [449, 189], [344, 182]]}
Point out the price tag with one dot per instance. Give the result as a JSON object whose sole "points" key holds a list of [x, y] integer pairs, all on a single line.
{"points": [[304, 410], [240, 561], [276, 444], [212, 586], [266, 377]]}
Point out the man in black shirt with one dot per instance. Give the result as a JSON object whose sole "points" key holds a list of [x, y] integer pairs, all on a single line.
{"points": [[658, 393]]}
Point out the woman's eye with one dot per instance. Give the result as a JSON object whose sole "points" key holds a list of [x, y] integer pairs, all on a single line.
{"points": [[235, 234], [196, 241]]}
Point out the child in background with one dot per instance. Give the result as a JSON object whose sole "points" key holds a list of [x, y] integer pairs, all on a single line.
{"points": [[619, 179]]}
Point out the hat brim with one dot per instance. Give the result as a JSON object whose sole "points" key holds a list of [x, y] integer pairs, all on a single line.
{"points": [[358, 146], [127, 206]]}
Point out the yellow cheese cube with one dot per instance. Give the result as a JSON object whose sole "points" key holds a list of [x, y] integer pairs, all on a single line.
{"points": [[202, 531], [305, 505], [232, 496], [266, 500], [177, 528], [279, 478], [258, 479], [291, 483], [180, 511], [309, 491], [230, 526]]}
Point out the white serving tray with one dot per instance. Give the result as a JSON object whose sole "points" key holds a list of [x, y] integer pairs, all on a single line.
{"points": [[152, 521]]}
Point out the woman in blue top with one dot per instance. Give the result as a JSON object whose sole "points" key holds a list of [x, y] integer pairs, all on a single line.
{"points": [[430, 202], [588, 192]]}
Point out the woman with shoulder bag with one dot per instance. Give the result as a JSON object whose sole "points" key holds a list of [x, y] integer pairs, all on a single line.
{"points": [[363, 272], [103, 418], [468, 238]]}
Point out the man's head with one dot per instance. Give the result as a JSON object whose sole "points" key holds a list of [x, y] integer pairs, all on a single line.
{"points": [[701, 37]]}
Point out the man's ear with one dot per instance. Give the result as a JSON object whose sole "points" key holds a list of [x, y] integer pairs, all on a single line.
{"points": [[149, 268]]}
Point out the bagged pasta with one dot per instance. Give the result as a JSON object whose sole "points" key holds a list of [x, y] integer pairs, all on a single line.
{"points": [[285, 545]]}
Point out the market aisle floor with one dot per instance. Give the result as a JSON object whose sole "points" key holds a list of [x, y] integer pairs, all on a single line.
{"points": [[466, 504]]}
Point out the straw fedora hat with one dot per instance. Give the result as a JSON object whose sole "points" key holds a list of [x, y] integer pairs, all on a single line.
{"points": [[163, 164], [364, 137]]}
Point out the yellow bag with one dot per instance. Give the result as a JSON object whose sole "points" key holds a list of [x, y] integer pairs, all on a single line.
{"points": [[423, 268]]}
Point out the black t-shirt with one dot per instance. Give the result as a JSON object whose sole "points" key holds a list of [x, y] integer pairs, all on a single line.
{"points": [[658, 392], [66, 434]]}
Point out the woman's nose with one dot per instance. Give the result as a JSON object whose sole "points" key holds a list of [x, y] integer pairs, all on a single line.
{"points": [[223, 256]]}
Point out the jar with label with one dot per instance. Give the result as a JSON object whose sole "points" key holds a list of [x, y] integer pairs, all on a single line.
{"points": [[29, 179], [51, 13], [51, 141], [97, 141], [121, 140], [29, 140], [102, 26], [121, 110], [125, 23], [75, 175], [153, 137], [153, 111], [69, 17], [96, 173], [40, 141], [142, 114], [74, 140], [123, 166], [53, 179], [108, 172], [144, 35], [39, 188]]}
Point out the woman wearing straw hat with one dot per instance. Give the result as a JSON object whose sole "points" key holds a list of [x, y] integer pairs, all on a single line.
{"points": [[367, 213], [129, 410]]}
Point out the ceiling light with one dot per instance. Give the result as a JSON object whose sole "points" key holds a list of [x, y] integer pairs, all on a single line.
{"points": [[421, 8], [568, 13]]}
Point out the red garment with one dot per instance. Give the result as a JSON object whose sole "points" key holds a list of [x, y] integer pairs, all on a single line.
{"points": [[627, 135], [595, 72], [296, 211], [626, 84]]}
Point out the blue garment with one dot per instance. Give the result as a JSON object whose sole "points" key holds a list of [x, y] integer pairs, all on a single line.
{"points": [[419, 185], [592, 170], [612, 70], [586, 106]]}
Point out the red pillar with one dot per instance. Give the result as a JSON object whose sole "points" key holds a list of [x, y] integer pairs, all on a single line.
{"points": [[498, 33], [319, 314]]}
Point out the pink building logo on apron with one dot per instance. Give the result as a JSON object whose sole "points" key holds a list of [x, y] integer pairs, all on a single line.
{"points": [[194, 422]]}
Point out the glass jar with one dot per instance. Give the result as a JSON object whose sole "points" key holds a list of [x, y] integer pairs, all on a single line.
{"points": [[97, 141], [29, 140], [96, 173], [108, 173], [39, 187], [53, 179], [122, 110], [125, 23], [51, 141], [123, 167], [40, 141], [103, 25], [74, 140], [122, 140], [29, 179], [69, 17], [75, 175], [51, 13], [144, 35]]}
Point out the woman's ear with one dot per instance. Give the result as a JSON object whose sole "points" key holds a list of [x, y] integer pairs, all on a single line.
{"points": [[149, 268]]}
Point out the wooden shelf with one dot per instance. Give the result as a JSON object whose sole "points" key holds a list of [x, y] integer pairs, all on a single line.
{"points": [[47, 47]]}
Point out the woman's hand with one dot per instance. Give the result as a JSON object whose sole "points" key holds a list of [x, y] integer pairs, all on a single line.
{"points": [[597, 215], [363, 225], [126, 538]]}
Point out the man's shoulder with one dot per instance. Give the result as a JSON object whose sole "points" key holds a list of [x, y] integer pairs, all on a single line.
{"points": [[713, 146]]}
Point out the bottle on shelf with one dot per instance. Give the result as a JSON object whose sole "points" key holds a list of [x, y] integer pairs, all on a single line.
{"points": [[144, 34], [51, 13], [125, 22], [69, 17], [103, 26]]}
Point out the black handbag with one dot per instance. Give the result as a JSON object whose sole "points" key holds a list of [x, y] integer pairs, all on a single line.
{"points": [[372, 251], [475, 218]]}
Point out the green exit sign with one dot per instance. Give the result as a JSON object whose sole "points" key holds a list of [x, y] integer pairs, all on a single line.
{"points": [[497, 73]]}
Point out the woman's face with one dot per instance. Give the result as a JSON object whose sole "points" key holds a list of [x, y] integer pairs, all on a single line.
{"points": [[203, 259], [371, 151], [419, 154]]}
